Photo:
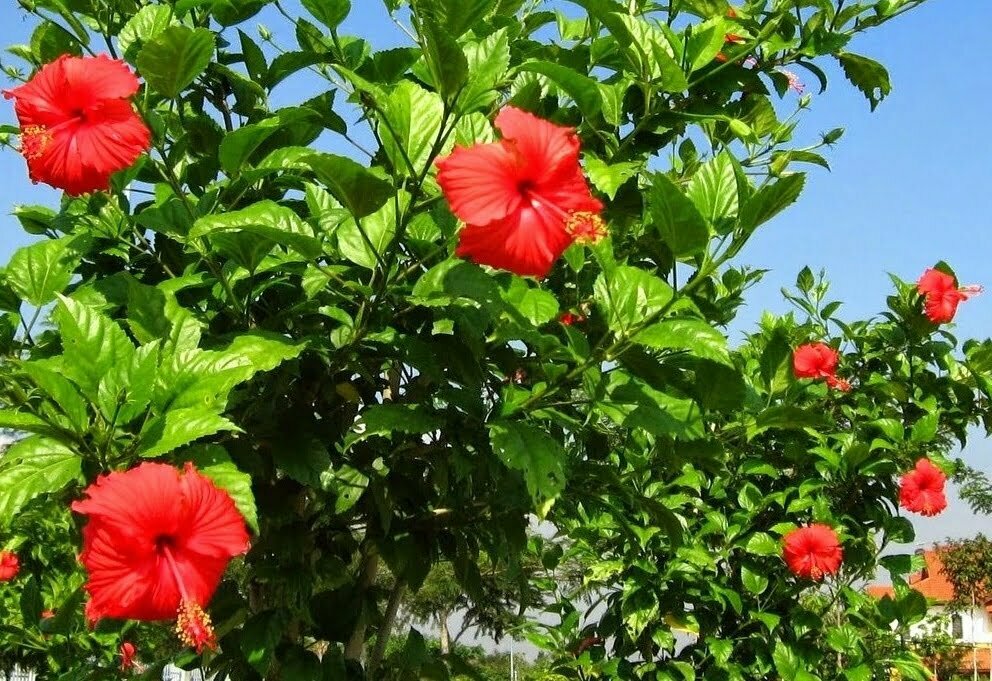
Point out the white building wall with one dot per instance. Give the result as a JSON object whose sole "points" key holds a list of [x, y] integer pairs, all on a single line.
{"points": [[976, 624]]}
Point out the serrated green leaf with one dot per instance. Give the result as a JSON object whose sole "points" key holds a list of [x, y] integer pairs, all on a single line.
{"points": [[629, 295], [43, 269], [93, 344], [328, 12], [582, 89], [867, 75], [676, 217], [412, 123], [33, 466], [534, 454], [146, 24], [714, 191], [267, 219], [177, 428], [174, 58], [693, 335], [771, 200], [358, 190], [608, 178]]}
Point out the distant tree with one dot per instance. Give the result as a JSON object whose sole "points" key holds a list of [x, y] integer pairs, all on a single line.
{"points": [[968, 567], [975, 487]]}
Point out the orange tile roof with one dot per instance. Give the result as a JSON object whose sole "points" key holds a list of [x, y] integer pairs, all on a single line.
{"points": [[930, 581]]}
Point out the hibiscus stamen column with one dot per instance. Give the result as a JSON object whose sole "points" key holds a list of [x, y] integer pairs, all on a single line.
{"points": [[193, 625], [584, 226]]}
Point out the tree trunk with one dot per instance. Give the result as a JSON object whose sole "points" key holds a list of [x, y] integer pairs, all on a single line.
{"points": [[386, 630], [974, 642], [445, 635], [355, 647]]}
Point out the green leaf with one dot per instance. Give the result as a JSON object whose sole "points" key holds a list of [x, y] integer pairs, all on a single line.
{"points": [[445, 59], [178, 427], [714, 191], [786, 417], [776, 362], [40, 271], [787, 662], [364, 242], [259, 637], [30, 601], [754, 580], [412, 123], [267, 219], [126, 389], [328, 12], [213, 462], [201, 380], [771, 200], [925, 429], [33, 466], [630, 295], [676, 217], [488, 62], [454, 278], [49, 41], [694, 335], [386, 419], [762, 544], [146, 24], [648, 50], [51, 382], [348, 485], [93, 344], [705, 42], [582, 89], [173, 59], [454, 16], [609, 178], [237, 146], [25, 421], [358, 190], [537, 306], [867, 75], [540, 459]]}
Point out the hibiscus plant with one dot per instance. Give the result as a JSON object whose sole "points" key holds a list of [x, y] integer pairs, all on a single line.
{"points": [[314, 316]]}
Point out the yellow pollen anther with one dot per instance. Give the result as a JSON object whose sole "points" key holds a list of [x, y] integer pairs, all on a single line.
{"points": [[34, 140], [194, 627], [585, 227]]}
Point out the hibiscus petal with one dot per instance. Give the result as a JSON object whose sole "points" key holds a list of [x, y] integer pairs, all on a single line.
{"points": [[526, 242], [550, 152], [143, 501], [99, 77], [41, 101], [481, 182], [213, 527]]}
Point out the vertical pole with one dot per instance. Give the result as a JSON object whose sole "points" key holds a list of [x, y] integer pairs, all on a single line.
{"points": [[513, 673]]}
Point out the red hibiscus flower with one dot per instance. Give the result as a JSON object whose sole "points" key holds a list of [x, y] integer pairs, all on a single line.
{"points": [[941, 295], [921, 490], [128, 651], [812, 551], [77, 124], [818, 360], [9, 565], [156, 545], [523, 199]]}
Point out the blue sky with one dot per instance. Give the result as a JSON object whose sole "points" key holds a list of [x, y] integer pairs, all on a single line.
{"points": [[910, 183]]}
